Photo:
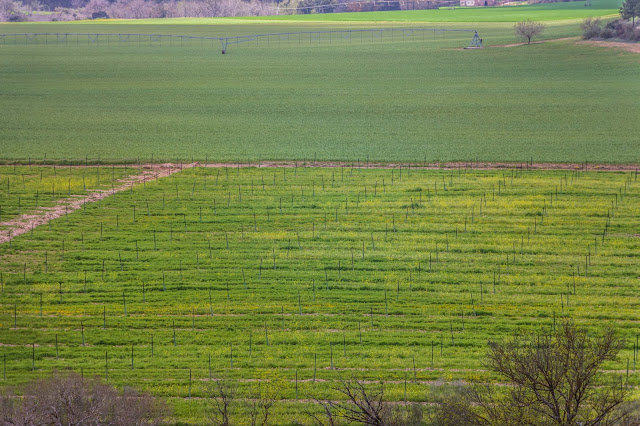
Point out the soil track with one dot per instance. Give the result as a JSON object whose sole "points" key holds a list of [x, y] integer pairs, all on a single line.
{"points": [[481, 165], [629, 47], [43, 215], [535, 42]]}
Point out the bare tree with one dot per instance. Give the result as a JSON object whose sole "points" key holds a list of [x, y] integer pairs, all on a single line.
{"points": [[467, 404], [73, 400], [220, 395], [262, 399], [137, 409], [365, 404], [11, 10], [553, 379], [326, 417], [133, 9], [528, 29], [95, 6]]}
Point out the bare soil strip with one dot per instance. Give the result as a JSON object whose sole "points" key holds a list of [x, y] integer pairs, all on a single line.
{"points": [[535, 42], [434, 166], [43, 215], [629, 47]]}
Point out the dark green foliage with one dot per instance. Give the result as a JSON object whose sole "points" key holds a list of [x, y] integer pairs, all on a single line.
{"points": [[630, 9], [17, 17], [99, 15]]}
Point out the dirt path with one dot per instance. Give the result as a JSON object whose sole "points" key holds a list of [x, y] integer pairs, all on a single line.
{"points": [[481, 165], [536, 42], [629, 47], [43, 215]]}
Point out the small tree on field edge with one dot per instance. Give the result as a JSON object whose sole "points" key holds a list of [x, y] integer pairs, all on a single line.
{"points": [[528, 29]]}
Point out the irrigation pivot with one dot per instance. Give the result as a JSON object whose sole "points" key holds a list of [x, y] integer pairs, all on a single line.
{"points": [[277, 40]]}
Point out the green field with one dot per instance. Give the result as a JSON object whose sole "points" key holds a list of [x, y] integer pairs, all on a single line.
{"points": [[340, 100], [286, 280], [39, 187], [373, 267]]}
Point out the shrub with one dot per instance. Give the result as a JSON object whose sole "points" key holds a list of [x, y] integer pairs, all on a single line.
{"points": [[17, 18], [591, 28], [622, 29], [71, 399], [607, 33], [99, 15], [619, 28]]}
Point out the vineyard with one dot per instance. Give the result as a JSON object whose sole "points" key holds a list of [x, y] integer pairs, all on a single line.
{"points": [[285, 280]]}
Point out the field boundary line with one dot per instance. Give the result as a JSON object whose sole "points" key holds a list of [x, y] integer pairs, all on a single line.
{"points": [[359, 164], [626, 46], [41, 216], [451, 165]]}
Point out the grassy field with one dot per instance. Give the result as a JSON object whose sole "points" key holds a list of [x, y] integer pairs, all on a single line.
{"points": [[363, 270], [348, 100], [35, 187], [286, 280]]}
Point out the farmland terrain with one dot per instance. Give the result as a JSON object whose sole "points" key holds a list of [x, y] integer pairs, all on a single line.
{"points": [[359, 203], [285, 99], [268, 274]]}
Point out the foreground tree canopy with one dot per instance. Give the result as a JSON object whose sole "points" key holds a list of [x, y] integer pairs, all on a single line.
{"points": [[554, 378], [74, 400]]}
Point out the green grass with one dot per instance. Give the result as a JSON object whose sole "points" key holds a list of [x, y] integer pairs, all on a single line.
{"points": [[389, 101], [344, 99], [26, 189], [439, 237]]}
